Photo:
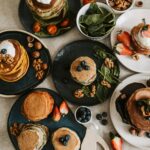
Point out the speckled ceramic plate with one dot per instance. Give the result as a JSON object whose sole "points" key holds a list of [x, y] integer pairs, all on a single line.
{"points": [[67, 121], [27, 19], [61, 69], [29, 81]]}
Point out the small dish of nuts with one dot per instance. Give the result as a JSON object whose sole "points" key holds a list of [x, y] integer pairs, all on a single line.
{"points": [[120, 6]]}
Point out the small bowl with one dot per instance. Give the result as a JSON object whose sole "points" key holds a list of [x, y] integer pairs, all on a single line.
{"points": [[83, 10], [120, 11], [84, 123]]}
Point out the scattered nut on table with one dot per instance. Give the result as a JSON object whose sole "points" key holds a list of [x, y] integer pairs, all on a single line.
{"points": [[139, 4]]}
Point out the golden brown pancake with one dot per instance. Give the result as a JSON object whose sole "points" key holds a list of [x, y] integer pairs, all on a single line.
{"points": [[138, 47], [32, 137], [135, 114], [84, 77], [73, 143], [38, 105]]}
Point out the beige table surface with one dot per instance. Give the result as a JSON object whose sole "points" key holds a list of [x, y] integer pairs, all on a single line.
{"points": [[9, 20]]}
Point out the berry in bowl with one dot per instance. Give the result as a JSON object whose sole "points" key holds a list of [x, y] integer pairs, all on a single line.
{"points": [[96, 20], [83, 115]]}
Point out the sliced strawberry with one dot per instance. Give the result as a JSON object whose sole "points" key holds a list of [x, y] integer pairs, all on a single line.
{"points": [[146, 31], [116, 142], [56, 114], [121, 49], [125, 38], [64, 108], [88, 1]]}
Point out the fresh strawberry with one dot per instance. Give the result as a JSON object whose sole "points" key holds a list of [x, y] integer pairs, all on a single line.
{"points": [[64, 108], [88, 1], [125, 38], [121, 49], [56, 114], [116, 142]]}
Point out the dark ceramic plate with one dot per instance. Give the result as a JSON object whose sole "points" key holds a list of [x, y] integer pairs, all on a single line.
{"points": [[29, 80], [68, 121], [27, 19], [61, 69]]}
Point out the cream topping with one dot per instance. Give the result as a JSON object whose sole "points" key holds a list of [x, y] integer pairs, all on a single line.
{"points": [[9, 47], [144, 41], [44, 1]]}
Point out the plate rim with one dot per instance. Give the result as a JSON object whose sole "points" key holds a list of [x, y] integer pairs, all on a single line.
{"points": [[40, 40], [112, 100], [73, 42], [112, 37]]}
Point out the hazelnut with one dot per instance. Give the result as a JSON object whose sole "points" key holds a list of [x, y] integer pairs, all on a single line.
{"points": [[37, 27], [135, 57], [30, 39], [44, 66], [141, 133], [133, 131], [38, 45], [123, 96], [30, 45], [36, 54]]}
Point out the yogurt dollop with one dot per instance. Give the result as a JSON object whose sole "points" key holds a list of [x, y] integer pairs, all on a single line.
{"points": [[10, 49], [44, 1]]}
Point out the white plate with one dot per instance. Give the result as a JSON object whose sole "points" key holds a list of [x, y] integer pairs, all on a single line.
{"points": [[122, 128], [126, 22]]}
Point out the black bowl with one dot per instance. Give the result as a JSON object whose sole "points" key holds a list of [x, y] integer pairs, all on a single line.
{"points": [[29, 80], [27, 19], [61, 69], [68, 121]]}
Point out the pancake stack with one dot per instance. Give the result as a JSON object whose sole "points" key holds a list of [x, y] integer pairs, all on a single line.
{"points": [[137, 113], [141, 38], [32, 137], [48, 11], [72, 143], [37, 106], [83, 70], [14, 61]]}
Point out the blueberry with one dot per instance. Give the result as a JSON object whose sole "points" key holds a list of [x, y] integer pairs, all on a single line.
{"points": [[3, 51], [65, 80], [148, 134], [83, 63], [139, 103], [88, 112], [61, 140], [83, 116], [65, 143], [79, 68], [87, 68], [104, 114], [82, 109], [85, 120], [104, 122], [67, 137], [88, 117], [79, 119], [99, 117], [148, 83]]}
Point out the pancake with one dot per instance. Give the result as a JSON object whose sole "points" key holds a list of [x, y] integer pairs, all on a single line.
{"points": [[139, 47], [37, 105], [14, 62], [46, 11], [73, 143], [32, 137], [84, 77], [136, 116]]}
